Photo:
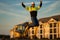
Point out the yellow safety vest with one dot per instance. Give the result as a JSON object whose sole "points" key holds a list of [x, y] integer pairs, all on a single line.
{"points": [[32, 8]]}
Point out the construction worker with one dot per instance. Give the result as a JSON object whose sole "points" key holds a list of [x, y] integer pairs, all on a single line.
{"points": [[33, 13]]}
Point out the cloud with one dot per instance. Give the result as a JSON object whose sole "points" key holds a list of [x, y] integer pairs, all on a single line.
{"points": [[58, 13], [20, 17], [27, 3], [51, 7], [9, 10], [9, 13], [5, 5], [9, 7]]}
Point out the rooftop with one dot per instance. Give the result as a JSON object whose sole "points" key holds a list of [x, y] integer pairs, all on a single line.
{"points": [[56, 17]]}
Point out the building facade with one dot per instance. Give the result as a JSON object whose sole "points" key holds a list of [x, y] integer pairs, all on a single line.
{"points": [[48, 28]]}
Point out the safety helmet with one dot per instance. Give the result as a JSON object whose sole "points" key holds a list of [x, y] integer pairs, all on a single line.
{"points": [[32, 3]]}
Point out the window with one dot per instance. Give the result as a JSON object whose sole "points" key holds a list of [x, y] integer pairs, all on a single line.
{"points": [[50, 36], [32, 27], [20, 28], [50, 24], [23, 28], [54, 24], [32, 31], [54, 30], [41, 36], [40, 26], [41, 31], [50, 30], [29, 32], [16, 29], [54, 36]]}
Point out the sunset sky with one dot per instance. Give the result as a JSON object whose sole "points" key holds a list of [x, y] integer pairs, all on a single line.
{"points": [[12, 13]]}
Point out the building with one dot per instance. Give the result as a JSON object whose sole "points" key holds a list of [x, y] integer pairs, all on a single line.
{"points": [[49, 27], [18, 30], [14, 33]]}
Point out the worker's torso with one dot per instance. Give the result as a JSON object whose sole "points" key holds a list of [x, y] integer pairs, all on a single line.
{"points": [[33, 11], [32, 8]]}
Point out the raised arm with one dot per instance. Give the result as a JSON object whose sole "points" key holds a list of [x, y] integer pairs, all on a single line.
{"points": [[27, 8], [23, 5], [40, 3]]}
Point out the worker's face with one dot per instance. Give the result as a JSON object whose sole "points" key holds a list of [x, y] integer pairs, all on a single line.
{"points": [[33, 5]]}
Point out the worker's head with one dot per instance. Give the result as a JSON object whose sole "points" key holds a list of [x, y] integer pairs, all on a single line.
{"points": [[33, 4]]}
